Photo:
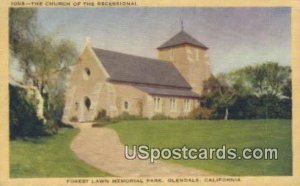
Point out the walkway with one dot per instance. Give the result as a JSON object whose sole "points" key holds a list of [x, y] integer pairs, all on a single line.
{"points": [[101, 148]]}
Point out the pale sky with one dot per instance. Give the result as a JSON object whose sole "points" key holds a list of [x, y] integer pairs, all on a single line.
{"points": [[236, 37]]}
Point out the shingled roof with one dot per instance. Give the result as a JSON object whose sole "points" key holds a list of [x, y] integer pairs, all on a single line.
{"points": [[140, 70], [182, 38]]}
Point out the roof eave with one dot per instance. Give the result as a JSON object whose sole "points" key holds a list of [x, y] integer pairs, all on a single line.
{"points": [[170, 46], [171, 95], [146, 84]]}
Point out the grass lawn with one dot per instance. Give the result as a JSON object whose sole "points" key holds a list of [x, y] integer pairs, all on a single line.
{"points": [[207, 134], [48, 157]]}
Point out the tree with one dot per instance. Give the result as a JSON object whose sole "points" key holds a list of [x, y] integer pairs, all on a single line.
{"points": [[218, 95], [22, 33], [257, 91], [227, 94], [43, 59], [52, 61], [22, 28], [264, 79], [269, 82]]}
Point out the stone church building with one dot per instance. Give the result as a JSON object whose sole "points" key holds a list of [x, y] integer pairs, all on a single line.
{"points": [[118, 82]]}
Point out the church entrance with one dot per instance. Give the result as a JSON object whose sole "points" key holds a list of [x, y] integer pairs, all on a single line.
{"points": [[85, 110]]}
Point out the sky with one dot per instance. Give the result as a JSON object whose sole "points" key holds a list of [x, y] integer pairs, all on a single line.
{"points": [[236, 37]]}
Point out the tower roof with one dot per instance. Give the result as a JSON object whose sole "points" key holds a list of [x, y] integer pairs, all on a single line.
{"points": [[182, 38]]}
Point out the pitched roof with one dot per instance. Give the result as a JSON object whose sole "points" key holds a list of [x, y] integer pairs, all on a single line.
{"points": [[161, 91], [141, 70], [182, 38]]}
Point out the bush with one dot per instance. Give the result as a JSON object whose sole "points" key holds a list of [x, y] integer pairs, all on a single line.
{"points": [[246, 107], [74, 119], [160, 117], [23, 114], [65, 125], [183, 117], [127, 116], [99, 124], [53, 110], [102, 117], [201, 113], [51, 127]]}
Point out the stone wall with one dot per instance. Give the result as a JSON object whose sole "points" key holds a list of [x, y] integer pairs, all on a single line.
{"points": [[89, 90], [86, 82]]}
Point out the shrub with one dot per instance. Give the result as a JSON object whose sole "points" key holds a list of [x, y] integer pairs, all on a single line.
{"points": [[23, 114], [183, 117], [127, 116], [99, 124], [51, 127], [53, 110], [160, 117], [102, 117], [64, 125], [74, 119], [201, 113]]}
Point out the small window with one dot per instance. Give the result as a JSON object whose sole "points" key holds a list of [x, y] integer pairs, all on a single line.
{"points": [[76, 106], [187, 105], [86, 73], [157, 104], [171, 54], [87, 103], [126, 105], [173, 104]]}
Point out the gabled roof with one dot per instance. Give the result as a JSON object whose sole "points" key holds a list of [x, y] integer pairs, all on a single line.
{"points": [[182, 38], [140, 70]]}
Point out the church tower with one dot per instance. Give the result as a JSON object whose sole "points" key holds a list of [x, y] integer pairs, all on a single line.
{"points": [[190, 58]]}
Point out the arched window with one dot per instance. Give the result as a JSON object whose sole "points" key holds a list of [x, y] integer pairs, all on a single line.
{"points": [[157, 104], [126, 105], [87, 103], [172, 104], [87, 71], [187, 105]]}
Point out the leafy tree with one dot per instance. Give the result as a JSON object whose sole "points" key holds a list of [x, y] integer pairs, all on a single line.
{"points": [[263, 79], [22, 28], [218, 95], [258, 91], [43, 59], [245, 107], [271, 83], [51, 62], [22, 33], [227, 94], [286, 89]]}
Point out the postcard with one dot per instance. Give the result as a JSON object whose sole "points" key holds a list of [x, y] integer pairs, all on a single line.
{"points": [[149, 92]]}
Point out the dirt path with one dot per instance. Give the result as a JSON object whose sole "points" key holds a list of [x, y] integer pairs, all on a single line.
{"points": [[101, 148]]}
